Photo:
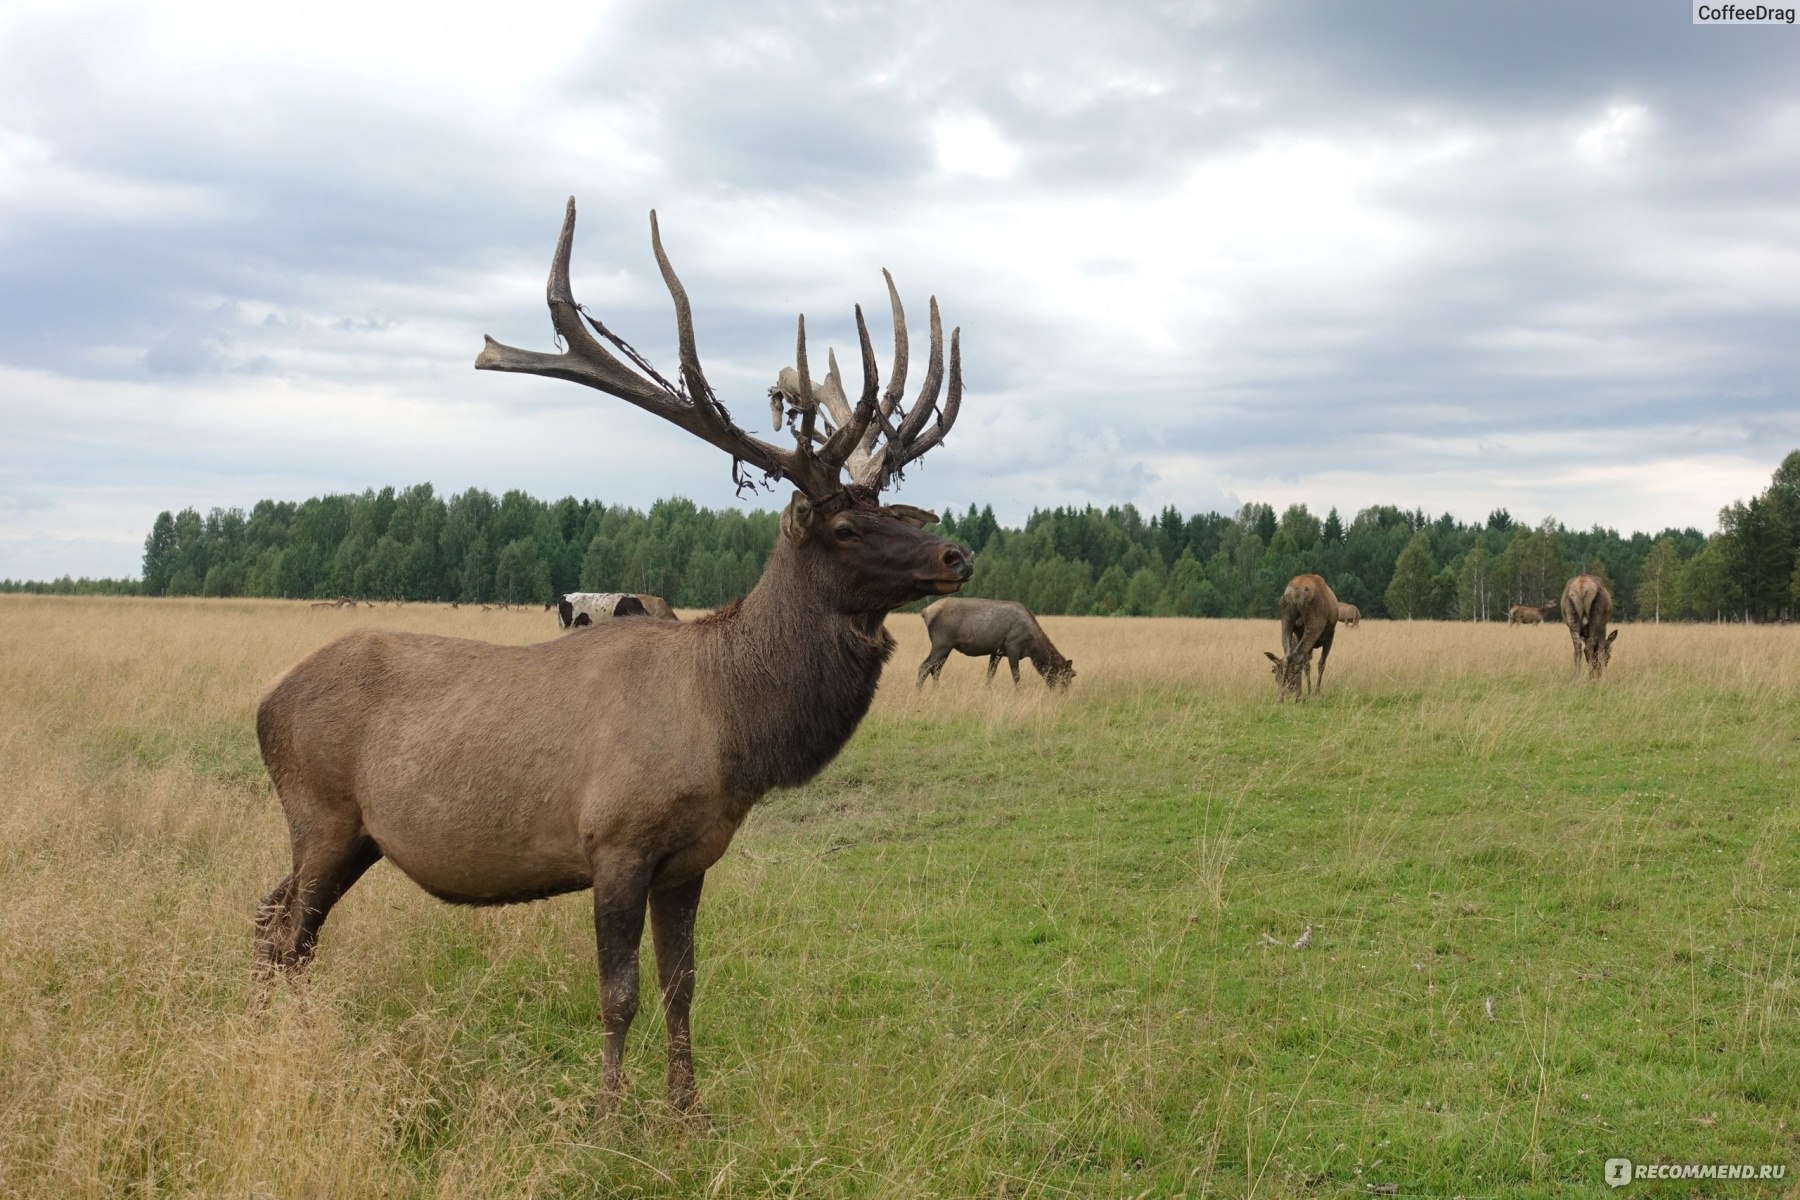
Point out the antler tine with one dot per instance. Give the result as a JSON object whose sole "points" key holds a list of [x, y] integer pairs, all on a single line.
{"points": [[585, 361], [589, 363], [914, 440], [851, 433], [911, 440], [706, 405], [897, 374], [809, 407], [865, 459]]}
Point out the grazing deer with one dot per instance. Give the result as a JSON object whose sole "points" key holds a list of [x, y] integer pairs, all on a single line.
{"points": [[1309, 617], [1586, 608], [622, 760], [1348, 614], [997, 628]]}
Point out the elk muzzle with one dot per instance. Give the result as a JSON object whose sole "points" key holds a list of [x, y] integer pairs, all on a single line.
{"points": [[956, 564]]}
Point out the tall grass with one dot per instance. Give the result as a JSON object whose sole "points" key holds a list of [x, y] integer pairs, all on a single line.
{"points": [[1012, 943]]}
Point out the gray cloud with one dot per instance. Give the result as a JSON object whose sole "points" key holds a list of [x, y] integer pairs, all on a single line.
{"points": [[1535, 256]]}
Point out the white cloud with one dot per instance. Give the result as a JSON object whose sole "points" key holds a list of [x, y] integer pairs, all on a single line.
{"points": [[969, 144], [1618, 133]]}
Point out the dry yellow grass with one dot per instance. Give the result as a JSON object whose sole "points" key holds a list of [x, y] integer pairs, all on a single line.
{"points": [[137, 831]]}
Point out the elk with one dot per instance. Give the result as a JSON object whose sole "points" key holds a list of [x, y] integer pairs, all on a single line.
{"points": [[1586, 608], [1348, 614], [1531, 614], [1309, 617], [622, 760], [997, 628]]}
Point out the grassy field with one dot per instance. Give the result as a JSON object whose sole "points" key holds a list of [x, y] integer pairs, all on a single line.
{"points": [[1009, 945]]}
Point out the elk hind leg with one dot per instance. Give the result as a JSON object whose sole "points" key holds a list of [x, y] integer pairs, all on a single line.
{"points": [[672, 913], [331, 853], [1324, 653], [272, 921], [933, 666]]}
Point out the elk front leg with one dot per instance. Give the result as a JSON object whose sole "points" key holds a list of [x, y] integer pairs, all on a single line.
{"points": [[620, 891], [672, 913], [1013, 662]]}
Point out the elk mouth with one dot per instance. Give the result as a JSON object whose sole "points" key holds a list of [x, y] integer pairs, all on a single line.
{"points": [[946, 585]]}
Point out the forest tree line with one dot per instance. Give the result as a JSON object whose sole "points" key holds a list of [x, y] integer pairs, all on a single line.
{"points": [[475, 548]]}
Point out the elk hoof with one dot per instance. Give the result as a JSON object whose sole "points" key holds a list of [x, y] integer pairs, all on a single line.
{"points": [[692, 1114], [607, 1108]]}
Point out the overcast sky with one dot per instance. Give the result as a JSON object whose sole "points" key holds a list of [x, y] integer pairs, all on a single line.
{"points": [[1543, 256]]}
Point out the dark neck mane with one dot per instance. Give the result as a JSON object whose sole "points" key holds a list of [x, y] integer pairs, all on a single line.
{"points": [[799, 677]]}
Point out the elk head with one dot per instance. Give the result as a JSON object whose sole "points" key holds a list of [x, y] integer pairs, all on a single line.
{"points": [[1287, 677], [864, 557], [1599, 653], [1060, 673]]}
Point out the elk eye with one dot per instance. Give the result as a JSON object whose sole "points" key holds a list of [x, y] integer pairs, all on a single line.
{"points": [[847, 533]]}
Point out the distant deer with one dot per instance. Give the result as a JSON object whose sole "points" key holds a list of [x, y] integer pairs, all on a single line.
{"points": [[1348, 614], [1532, 614], [623, 759], [997, 628], [1586, 608], [1309, 618]]}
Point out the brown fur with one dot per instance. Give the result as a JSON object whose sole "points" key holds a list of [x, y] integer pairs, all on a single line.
{"points": [[1586, 608], [1309, 618], [997, 628], [1349, 614], [620, 759]]}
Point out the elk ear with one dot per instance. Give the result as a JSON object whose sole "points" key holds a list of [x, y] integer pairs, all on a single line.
{"points": [[796, 518], [1611, 638], [1271, 658], [918, 518]]}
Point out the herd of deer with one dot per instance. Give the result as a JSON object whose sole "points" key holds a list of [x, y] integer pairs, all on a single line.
{"points": [[1310, 615], [623, 757]]}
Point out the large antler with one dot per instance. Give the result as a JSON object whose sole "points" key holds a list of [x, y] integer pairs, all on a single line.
{"points": [[818, 458], [881, 454]]}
